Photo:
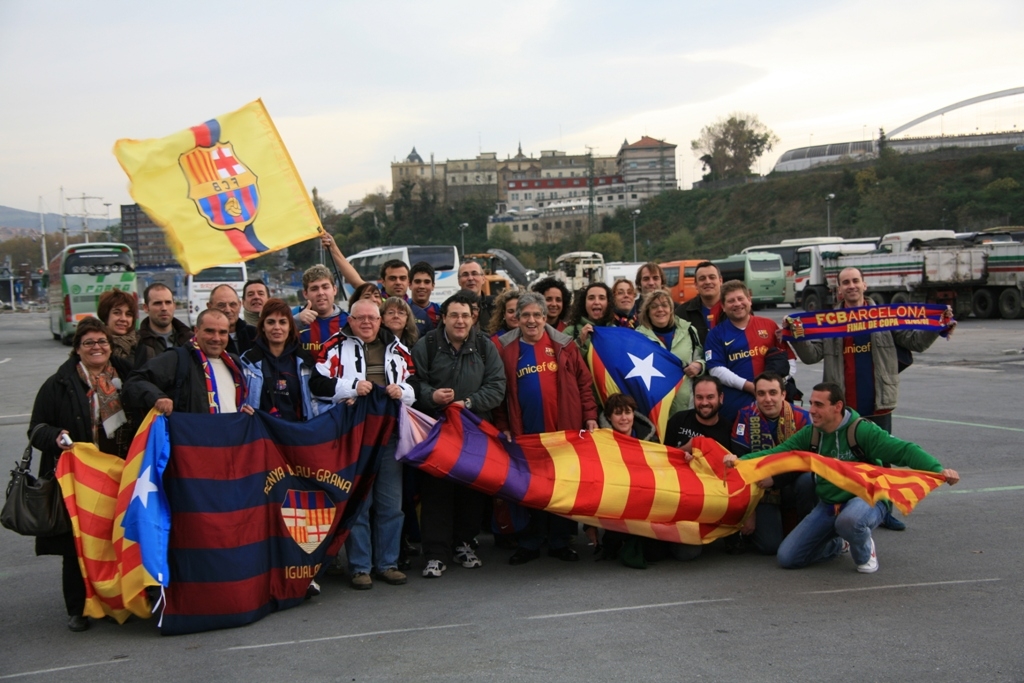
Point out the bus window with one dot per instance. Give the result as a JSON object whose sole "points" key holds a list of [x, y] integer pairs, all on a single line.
{"points": [[671, 276], [764, 265], [439, 258]]}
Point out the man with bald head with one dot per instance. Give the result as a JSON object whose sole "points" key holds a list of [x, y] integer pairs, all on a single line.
{"points": [[212, 383], [225, 299]]}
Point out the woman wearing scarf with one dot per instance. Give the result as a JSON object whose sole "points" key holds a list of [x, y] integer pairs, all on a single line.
{"points": [[658, 321], [277, 368], [624, 303], [120, 311], [82, 400]]}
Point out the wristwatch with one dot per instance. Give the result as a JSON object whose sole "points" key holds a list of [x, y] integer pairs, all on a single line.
{"points": [[468, 403]]}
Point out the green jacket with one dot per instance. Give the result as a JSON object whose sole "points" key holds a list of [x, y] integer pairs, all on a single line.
{"points": [[880, 447], [687, 348], [474, 371]]}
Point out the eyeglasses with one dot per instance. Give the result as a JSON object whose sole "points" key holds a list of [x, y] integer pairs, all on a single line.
{"points": [[661, 305], [364, 318], [89, 343]]}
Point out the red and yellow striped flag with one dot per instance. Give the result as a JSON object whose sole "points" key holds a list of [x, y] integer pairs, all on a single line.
{"points": [[600, 478], [905, 488]]}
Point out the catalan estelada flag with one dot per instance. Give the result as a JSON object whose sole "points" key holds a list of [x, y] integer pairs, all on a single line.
{"points": [[905, 488], [600, 478], [624, 361], [223, 191]]}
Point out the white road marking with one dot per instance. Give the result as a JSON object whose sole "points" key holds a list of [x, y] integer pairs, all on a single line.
{"points": [[4, 361], [63, 668], [954, 422], [631, 607], [899, 585], [351, 635]]}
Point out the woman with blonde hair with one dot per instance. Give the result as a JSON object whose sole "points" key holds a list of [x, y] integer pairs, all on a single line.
{"points": [[396, 315], [504, 317], [658, 322]]}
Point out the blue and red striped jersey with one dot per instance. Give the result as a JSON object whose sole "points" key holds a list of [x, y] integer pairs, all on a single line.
{"points": [[536, 374], [859, 374], [322, 329], [742, 352]]}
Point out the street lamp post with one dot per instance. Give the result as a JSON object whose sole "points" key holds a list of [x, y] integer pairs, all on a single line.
{"points": [[636, 212], [828, 212], [462, 229]]}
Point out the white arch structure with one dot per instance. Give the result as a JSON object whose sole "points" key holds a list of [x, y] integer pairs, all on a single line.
{"points": [[958, 105]]}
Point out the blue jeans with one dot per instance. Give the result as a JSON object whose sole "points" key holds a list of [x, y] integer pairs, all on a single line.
{"points": [[819, 536], [386, 501]]}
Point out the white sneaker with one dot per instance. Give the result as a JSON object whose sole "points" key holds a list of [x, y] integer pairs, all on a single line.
{"points": [[871, 566], [434, 569], [464, 554]]}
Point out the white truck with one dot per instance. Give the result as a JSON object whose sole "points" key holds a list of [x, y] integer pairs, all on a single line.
{"points": [[929, 266], [811, 287], [1004, 287], [576, 269]]}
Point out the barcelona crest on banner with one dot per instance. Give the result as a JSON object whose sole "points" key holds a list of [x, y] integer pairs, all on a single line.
{"points": [[308, 515]]}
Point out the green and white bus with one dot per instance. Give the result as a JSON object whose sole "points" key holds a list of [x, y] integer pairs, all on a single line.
{"points": [[78, 275]]}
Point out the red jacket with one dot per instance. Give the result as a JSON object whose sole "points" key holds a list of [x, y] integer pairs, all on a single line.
{"points": [[576, 402]]}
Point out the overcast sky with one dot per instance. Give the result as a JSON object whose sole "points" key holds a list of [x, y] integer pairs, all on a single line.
{"points": [[353, 86]]}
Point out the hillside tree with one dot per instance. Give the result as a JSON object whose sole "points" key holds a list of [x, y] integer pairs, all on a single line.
{"points": [[730, 146]]}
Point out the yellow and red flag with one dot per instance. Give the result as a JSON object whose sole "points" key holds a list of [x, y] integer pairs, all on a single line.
{"points": [[904, 488], [223, 191], [619, 483]]}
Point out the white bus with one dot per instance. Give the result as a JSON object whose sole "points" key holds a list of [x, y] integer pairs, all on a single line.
{"points": [[202, 283], [443, 259]]}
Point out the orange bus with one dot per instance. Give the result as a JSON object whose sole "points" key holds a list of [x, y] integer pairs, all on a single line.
{"points": [[679, 279]]}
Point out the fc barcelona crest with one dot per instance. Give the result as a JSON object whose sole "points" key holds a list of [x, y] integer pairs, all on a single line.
{"points": [[763, 334], [308, 515], [224, 189]]}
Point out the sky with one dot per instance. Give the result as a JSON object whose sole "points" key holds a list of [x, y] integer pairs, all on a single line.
{"points": [[353, 86]]}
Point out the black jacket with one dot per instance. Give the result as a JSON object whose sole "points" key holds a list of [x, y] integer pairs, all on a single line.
{"points": [[62, 404], [244, 339], [151, 344], [691, 312], [156, 379]]}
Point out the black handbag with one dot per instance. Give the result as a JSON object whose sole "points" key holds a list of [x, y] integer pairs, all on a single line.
{"points": [[34, 507]]}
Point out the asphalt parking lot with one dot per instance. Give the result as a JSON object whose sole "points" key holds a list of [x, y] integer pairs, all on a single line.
{"points": [[946, 604]]}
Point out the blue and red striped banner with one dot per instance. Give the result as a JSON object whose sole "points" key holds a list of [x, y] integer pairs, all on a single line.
{"points": [[842, 322]]}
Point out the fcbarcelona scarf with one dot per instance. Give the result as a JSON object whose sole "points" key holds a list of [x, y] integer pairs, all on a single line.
{"points": [[785, 429], [211, 381], [843, 322]]}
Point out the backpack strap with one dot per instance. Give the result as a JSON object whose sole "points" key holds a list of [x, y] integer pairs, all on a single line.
{"points": [[851, 439], [815, 440]]}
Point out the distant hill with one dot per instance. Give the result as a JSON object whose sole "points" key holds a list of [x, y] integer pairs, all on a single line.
{"points": [[16, 218]]}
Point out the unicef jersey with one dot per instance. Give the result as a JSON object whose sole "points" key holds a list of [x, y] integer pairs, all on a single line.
{"points": [[752, 431], [742, 352], [536, 377], [322, 329], [859, 373]]}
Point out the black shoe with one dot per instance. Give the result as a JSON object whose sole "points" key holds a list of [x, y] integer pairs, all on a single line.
{"points": [[404, 565], [565, 554], [408, 549], [78, 623], [523, 555], [892, 524]]}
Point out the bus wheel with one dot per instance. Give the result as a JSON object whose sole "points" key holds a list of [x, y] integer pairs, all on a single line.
{"points": [[983, 304], [56, 336], [878, 297], [66, 340], [900, 298], [1010, 304], [811, 301]]}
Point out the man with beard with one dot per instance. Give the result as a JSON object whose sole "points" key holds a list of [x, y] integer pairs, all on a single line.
{"points": [[701, 420], [767, 422]]}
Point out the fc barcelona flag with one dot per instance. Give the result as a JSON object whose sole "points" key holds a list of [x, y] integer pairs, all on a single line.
{"points": [[259, 504], [625, 361], [223, 191]]}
